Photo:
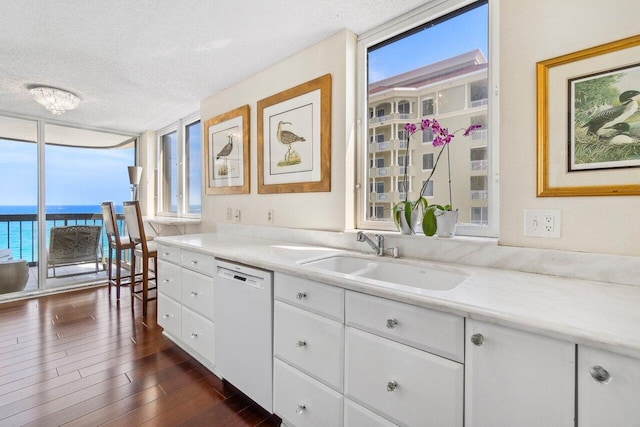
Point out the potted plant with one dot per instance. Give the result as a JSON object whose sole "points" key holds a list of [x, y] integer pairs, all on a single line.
{"points": [[409, 214]]}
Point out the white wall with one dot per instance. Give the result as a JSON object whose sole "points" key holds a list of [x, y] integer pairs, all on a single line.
{"points": [[532, 32], [320, 211]]}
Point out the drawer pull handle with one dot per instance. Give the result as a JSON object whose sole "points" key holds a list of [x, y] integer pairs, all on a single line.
{"points": [[194, 335], [477, 339], [301, 408], [166, 280], [166, 316], [194, 294], [301, 343], [600, 374], [392, 323], [167, 253], [392, 386], [194, 261], [301, 295]]}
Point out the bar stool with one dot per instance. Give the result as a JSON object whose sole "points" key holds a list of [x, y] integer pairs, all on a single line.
{"points": [[119, 244], [144, 249]]}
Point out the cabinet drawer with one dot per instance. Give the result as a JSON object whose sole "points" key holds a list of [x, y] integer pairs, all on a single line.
{"points": [[170, 316], [197, 293], [317, 297], [407, 385], [169, 253], [302, 401], [197, 262], [612, 401], [429, 330], [309, 342], [359, 416], [198, 333], [169, 281]]}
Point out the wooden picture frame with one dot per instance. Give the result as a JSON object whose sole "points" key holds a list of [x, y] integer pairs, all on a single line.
{"points": [[566, 117], [294, 139], [226, 151]]}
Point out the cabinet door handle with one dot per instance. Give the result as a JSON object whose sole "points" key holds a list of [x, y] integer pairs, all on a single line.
{"points": [[477, 339], [194, 261], [167, 253], [392, 323], [300, 408], [166, 316], [301, 343], [166, 280], [301, 295], [194, 335], [194, 294], [600, 374], [392, 386]]}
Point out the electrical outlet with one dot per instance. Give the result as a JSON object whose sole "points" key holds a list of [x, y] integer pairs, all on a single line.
{"points": [[542, 223], [237, 215], [269, 215], [229, 213]]}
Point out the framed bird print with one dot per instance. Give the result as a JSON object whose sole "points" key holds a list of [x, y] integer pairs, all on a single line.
{"points": [[227, 152], [588, 128], [294, 139]]}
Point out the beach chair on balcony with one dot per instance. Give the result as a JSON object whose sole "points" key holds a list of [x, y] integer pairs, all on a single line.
{"points": [[74, 245]]}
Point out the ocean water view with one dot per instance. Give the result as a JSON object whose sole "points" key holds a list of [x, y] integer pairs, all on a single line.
{"points": [[19, 227]]}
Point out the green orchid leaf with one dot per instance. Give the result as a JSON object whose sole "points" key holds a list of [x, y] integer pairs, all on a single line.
{"points": [[408, 211], [429, 224], [396, 215]]}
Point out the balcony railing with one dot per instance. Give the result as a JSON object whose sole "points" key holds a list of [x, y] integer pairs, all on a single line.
{"points": [[479, 194], [478, 165], [479, 134], [19, 232], [479, 103]]}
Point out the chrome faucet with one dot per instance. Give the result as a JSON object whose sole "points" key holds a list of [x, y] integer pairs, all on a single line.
{"points": [[378, 245]]}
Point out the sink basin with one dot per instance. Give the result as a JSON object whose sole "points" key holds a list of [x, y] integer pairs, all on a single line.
{"points": [[393, 274]]}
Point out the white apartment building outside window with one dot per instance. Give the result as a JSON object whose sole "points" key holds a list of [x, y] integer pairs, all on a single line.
{"points": [[451, 84]]}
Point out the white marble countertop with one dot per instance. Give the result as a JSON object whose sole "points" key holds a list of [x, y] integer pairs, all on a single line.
{"points": [[598, 314]]}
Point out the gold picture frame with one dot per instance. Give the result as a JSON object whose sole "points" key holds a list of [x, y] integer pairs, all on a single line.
{"points": [[558, 123], [227, 152], [294, 139]]}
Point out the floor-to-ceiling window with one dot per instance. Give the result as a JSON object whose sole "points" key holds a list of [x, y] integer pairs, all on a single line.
{"points": [[65, 173], [83, 169], [18, 205]]}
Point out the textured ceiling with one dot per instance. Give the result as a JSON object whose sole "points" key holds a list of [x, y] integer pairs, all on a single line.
{"points": [[139, 64]]}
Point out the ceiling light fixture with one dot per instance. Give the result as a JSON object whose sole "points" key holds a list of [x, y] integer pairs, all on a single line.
{"points": [[57, 101]]}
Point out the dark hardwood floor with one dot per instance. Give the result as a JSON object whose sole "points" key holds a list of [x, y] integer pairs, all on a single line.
{"points": [[83, 359]]}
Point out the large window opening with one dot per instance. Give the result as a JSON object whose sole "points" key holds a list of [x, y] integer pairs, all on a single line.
{"points": [[440, 65], [179, 191]]}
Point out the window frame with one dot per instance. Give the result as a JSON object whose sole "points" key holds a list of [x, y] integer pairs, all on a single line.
{"points": [[397, 26], [180, 127]]}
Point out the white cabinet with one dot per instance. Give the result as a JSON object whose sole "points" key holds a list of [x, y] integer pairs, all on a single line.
{"points": [[185, 301], [308, 352], [388, 370], [410, 386], [608, 389], [517, 378]]}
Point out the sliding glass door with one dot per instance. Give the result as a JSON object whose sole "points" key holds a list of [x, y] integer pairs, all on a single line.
{"points": [[83, 169], [57, 186]]}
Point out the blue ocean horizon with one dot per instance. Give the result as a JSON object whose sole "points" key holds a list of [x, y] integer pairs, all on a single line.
{"points": [[21, 235]]}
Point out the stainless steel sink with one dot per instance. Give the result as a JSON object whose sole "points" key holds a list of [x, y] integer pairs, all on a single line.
{"points": [[391, 273]]}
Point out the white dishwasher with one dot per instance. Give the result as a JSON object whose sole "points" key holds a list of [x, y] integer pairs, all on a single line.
{"points": [[243, 307]]}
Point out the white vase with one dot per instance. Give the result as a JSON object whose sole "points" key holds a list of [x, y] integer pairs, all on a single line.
{"points": [[447, 221]]}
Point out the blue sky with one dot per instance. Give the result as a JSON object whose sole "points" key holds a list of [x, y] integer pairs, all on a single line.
{"points": [[455, 36], [75, 176]]}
